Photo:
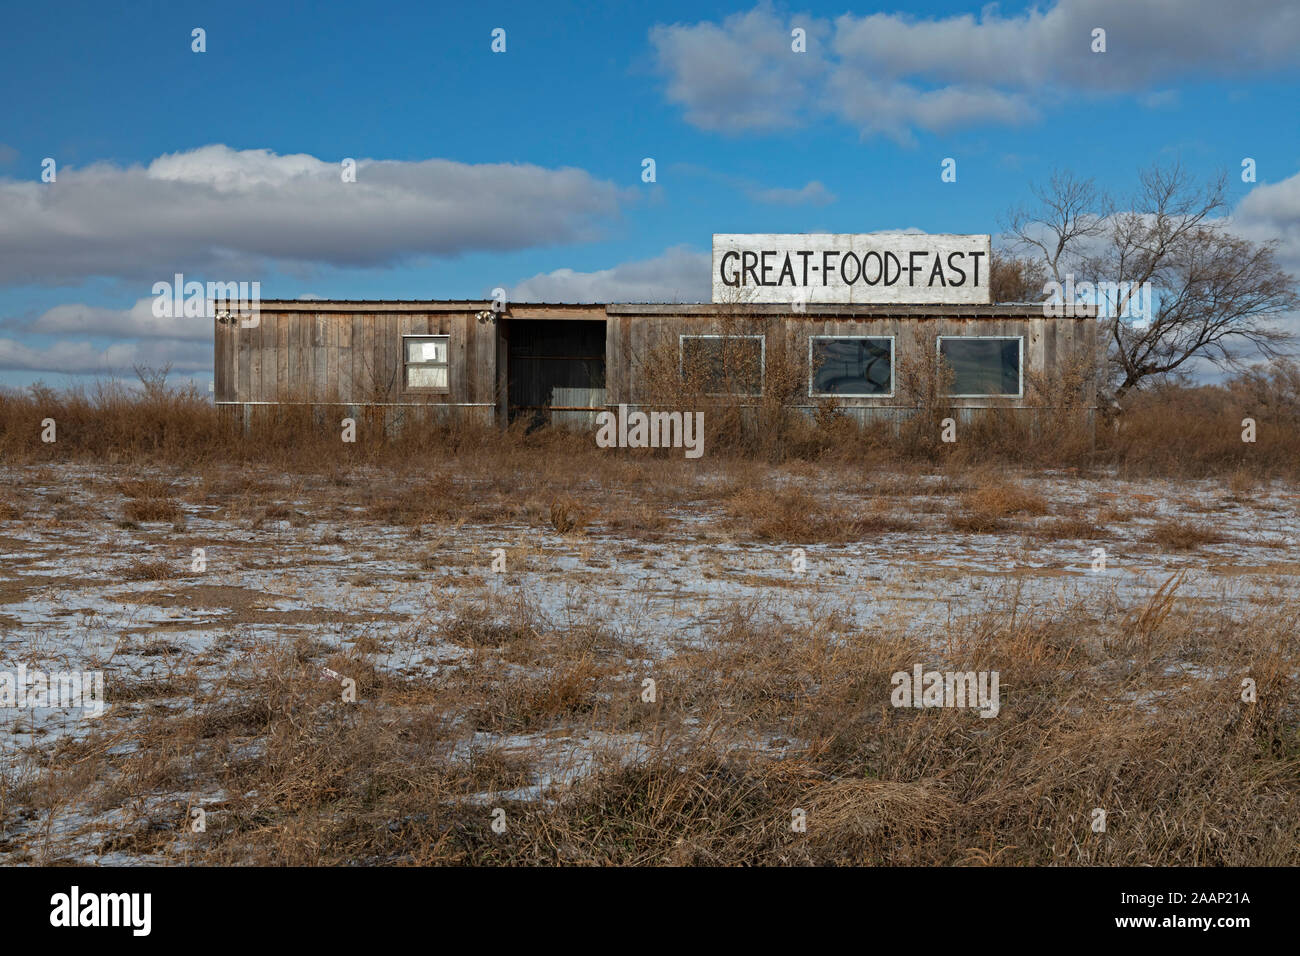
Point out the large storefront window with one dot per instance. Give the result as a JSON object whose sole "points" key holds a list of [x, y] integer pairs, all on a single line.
{"points": [[723, 364], [851, 366], [984, 365]]}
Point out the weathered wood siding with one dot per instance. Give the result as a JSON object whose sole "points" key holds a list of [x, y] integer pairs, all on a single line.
{"points": [[350, 353], [635, 341], [350, 358]]}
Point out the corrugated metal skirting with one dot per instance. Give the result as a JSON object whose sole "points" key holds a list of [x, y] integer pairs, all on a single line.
{"points": [[566, 402]]}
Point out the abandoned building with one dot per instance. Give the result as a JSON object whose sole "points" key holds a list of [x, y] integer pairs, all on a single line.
{"points": [[423, 360], [804, 319]]}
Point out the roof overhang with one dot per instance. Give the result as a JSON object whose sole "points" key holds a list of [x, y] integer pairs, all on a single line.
{"points": [[525, 310]]}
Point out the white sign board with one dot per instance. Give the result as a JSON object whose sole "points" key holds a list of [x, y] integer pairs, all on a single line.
{"points": [[866, 268]]}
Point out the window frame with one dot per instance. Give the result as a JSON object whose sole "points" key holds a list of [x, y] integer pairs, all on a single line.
{"points": [[407, 364], [893, 358], [1020, 364], [762, 361]]}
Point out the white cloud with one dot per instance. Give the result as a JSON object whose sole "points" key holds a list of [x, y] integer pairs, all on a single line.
{"points": [[136, 322], [811, 194], [893, 108], [1272, 211], [741, 74], [86, 358], [893, 74], [679, 274], [229, 214]]}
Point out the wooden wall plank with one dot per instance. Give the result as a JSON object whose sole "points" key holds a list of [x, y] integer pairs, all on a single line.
{"points": [[412, 324], [483, 377], [282, 385], [292, 356], [458, 358], [1050, 345], [333, 335], [392, 351], [245, 359], [266, 345], [221, 363], [345, 357], [503, 375], [615, 380], [378, 358], [365, 376], [420, 324], [253, 336], [1035, 351], [320, 357], [356, 338], [306, 356]]}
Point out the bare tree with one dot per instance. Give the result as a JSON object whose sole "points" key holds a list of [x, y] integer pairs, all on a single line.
{"points": [[153, 380], [1208, 294], [1069, 213]]}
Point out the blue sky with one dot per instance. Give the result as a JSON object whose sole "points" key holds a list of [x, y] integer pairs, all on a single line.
{"points": [[523, 169]]}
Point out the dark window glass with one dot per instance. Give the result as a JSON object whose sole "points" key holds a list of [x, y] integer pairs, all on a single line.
{"points": [[851, 366], [731, 365], [982, 366]]}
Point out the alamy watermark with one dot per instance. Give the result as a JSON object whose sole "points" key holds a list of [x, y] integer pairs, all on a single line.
{"points": [[224, 301], [34, 689], [1125, 300], [626, 429], [922, 688], [75, 908]]}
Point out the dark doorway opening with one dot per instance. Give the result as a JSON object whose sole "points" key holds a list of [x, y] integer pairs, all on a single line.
{"points": [[556, 370]]}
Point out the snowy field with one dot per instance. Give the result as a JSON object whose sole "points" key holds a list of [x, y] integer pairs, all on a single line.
{"points": [[167, 607]]}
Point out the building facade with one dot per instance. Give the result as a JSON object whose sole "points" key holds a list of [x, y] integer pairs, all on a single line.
{"points": [[427, 361]]}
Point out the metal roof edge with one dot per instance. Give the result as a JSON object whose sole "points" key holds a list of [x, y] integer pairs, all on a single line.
{"points": [[1003, 310], [992, 310]]}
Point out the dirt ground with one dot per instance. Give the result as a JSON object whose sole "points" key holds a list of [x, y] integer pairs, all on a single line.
{"points": [[363, 667]]}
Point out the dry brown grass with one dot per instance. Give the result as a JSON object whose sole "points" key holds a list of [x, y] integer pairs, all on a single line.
{"points": [[1177, 535], [1183, 432], [149, 571], [639, 519], [567, 516], [1242, 484], [1093, 715], [419, 503], [1066, 528], [1135, 708], [992, 500], [1109, 514], [149, 499], [977, 522], [1198, 432], [1000, 498], [795, 515], [145, 488], [151, 509]]}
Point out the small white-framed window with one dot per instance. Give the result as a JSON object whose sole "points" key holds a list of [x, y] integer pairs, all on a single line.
{"points": [[984, 366], [425, 360], [850, 366], [724, 364]]}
